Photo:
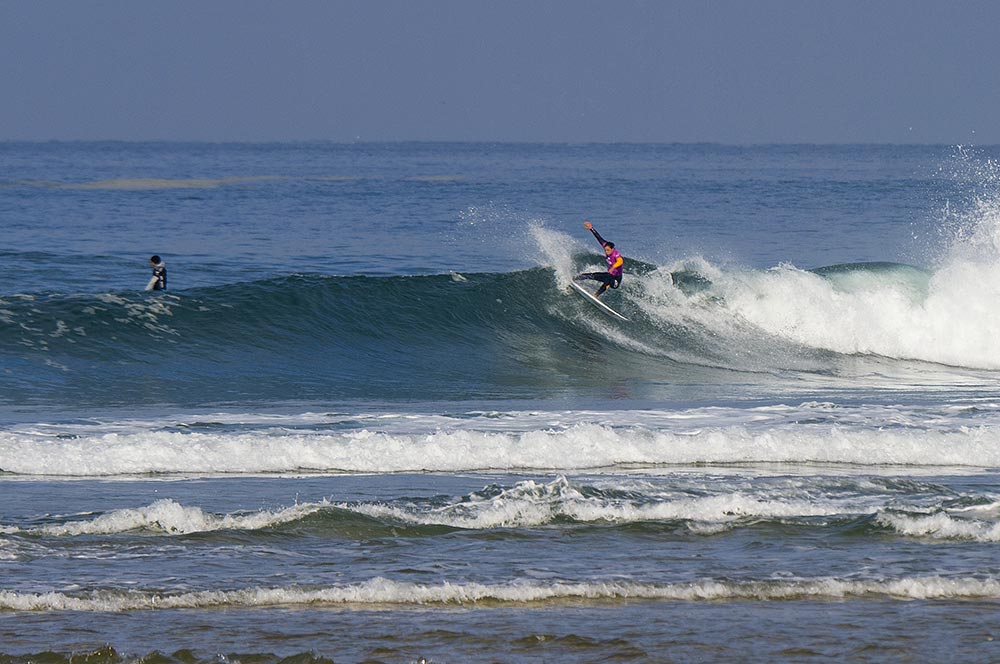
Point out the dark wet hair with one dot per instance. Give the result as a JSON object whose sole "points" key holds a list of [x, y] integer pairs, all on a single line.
{"points": [[154, 259], [609, 244]]}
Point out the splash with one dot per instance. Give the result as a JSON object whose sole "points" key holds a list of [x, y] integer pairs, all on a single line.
{"points": [[787, 317]]}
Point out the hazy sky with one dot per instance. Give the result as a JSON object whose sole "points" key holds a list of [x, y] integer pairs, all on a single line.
{"points": [[578, 71]]}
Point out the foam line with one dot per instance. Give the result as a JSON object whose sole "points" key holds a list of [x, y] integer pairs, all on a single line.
{"points": [[381, 591], [581, 446]]}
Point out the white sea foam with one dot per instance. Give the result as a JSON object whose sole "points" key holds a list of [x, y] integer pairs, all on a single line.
{"points": [[947, 316], [579, 446], [530, 503], [381, 591], [941, 526], [952, 325], [954, 434]]}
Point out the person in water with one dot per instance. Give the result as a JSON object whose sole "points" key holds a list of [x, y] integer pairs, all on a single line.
{"points": [[613, 277], [159, 279]]}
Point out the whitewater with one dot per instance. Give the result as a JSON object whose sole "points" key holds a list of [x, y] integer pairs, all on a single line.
{"points": [[811, 433], [370, 421]]}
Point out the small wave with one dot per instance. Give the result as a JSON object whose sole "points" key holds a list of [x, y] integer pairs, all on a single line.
{"points": [[941, 526], [530, 504], [702, 508], [381, 591], [527, 504], [170, 517]]}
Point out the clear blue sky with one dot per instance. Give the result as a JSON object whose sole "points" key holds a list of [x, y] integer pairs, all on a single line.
{"points": [[563, 70]]}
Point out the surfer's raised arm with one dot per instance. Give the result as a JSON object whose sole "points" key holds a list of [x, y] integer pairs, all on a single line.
{"points": [[590, 227]]}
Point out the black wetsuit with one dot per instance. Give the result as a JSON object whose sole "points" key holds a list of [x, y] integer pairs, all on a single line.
{"points": [[160, 276]]}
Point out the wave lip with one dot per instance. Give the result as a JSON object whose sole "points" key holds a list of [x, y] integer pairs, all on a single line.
{"points": [[382, 591]]}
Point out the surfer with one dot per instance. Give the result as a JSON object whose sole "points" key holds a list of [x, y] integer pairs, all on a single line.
{"points": [[159, 279], [613, 277]]}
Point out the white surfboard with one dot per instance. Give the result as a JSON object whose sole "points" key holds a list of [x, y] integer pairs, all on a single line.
{"points": [[600, 305]]}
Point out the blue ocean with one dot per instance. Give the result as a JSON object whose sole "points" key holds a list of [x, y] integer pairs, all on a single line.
{"points": [[369, 421]]}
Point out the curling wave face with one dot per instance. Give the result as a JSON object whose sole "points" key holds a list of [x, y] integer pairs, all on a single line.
{"points": [[502, 336], [507, 335]]}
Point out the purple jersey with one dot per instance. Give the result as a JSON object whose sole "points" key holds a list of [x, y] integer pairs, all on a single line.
{"points": [[613, 258]]}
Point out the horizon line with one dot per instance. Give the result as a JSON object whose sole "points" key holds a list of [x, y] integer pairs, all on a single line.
{"points": [[303, 141]]}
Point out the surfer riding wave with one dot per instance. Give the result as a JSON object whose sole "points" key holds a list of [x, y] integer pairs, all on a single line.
{"points": [[613, 277]]}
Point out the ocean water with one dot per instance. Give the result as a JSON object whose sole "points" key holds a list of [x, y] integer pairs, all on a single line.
{"points": [[370, 422]]}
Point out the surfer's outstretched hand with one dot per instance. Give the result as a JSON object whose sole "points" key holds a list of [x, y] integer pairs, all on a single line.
{"points": [[588, 225]]}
